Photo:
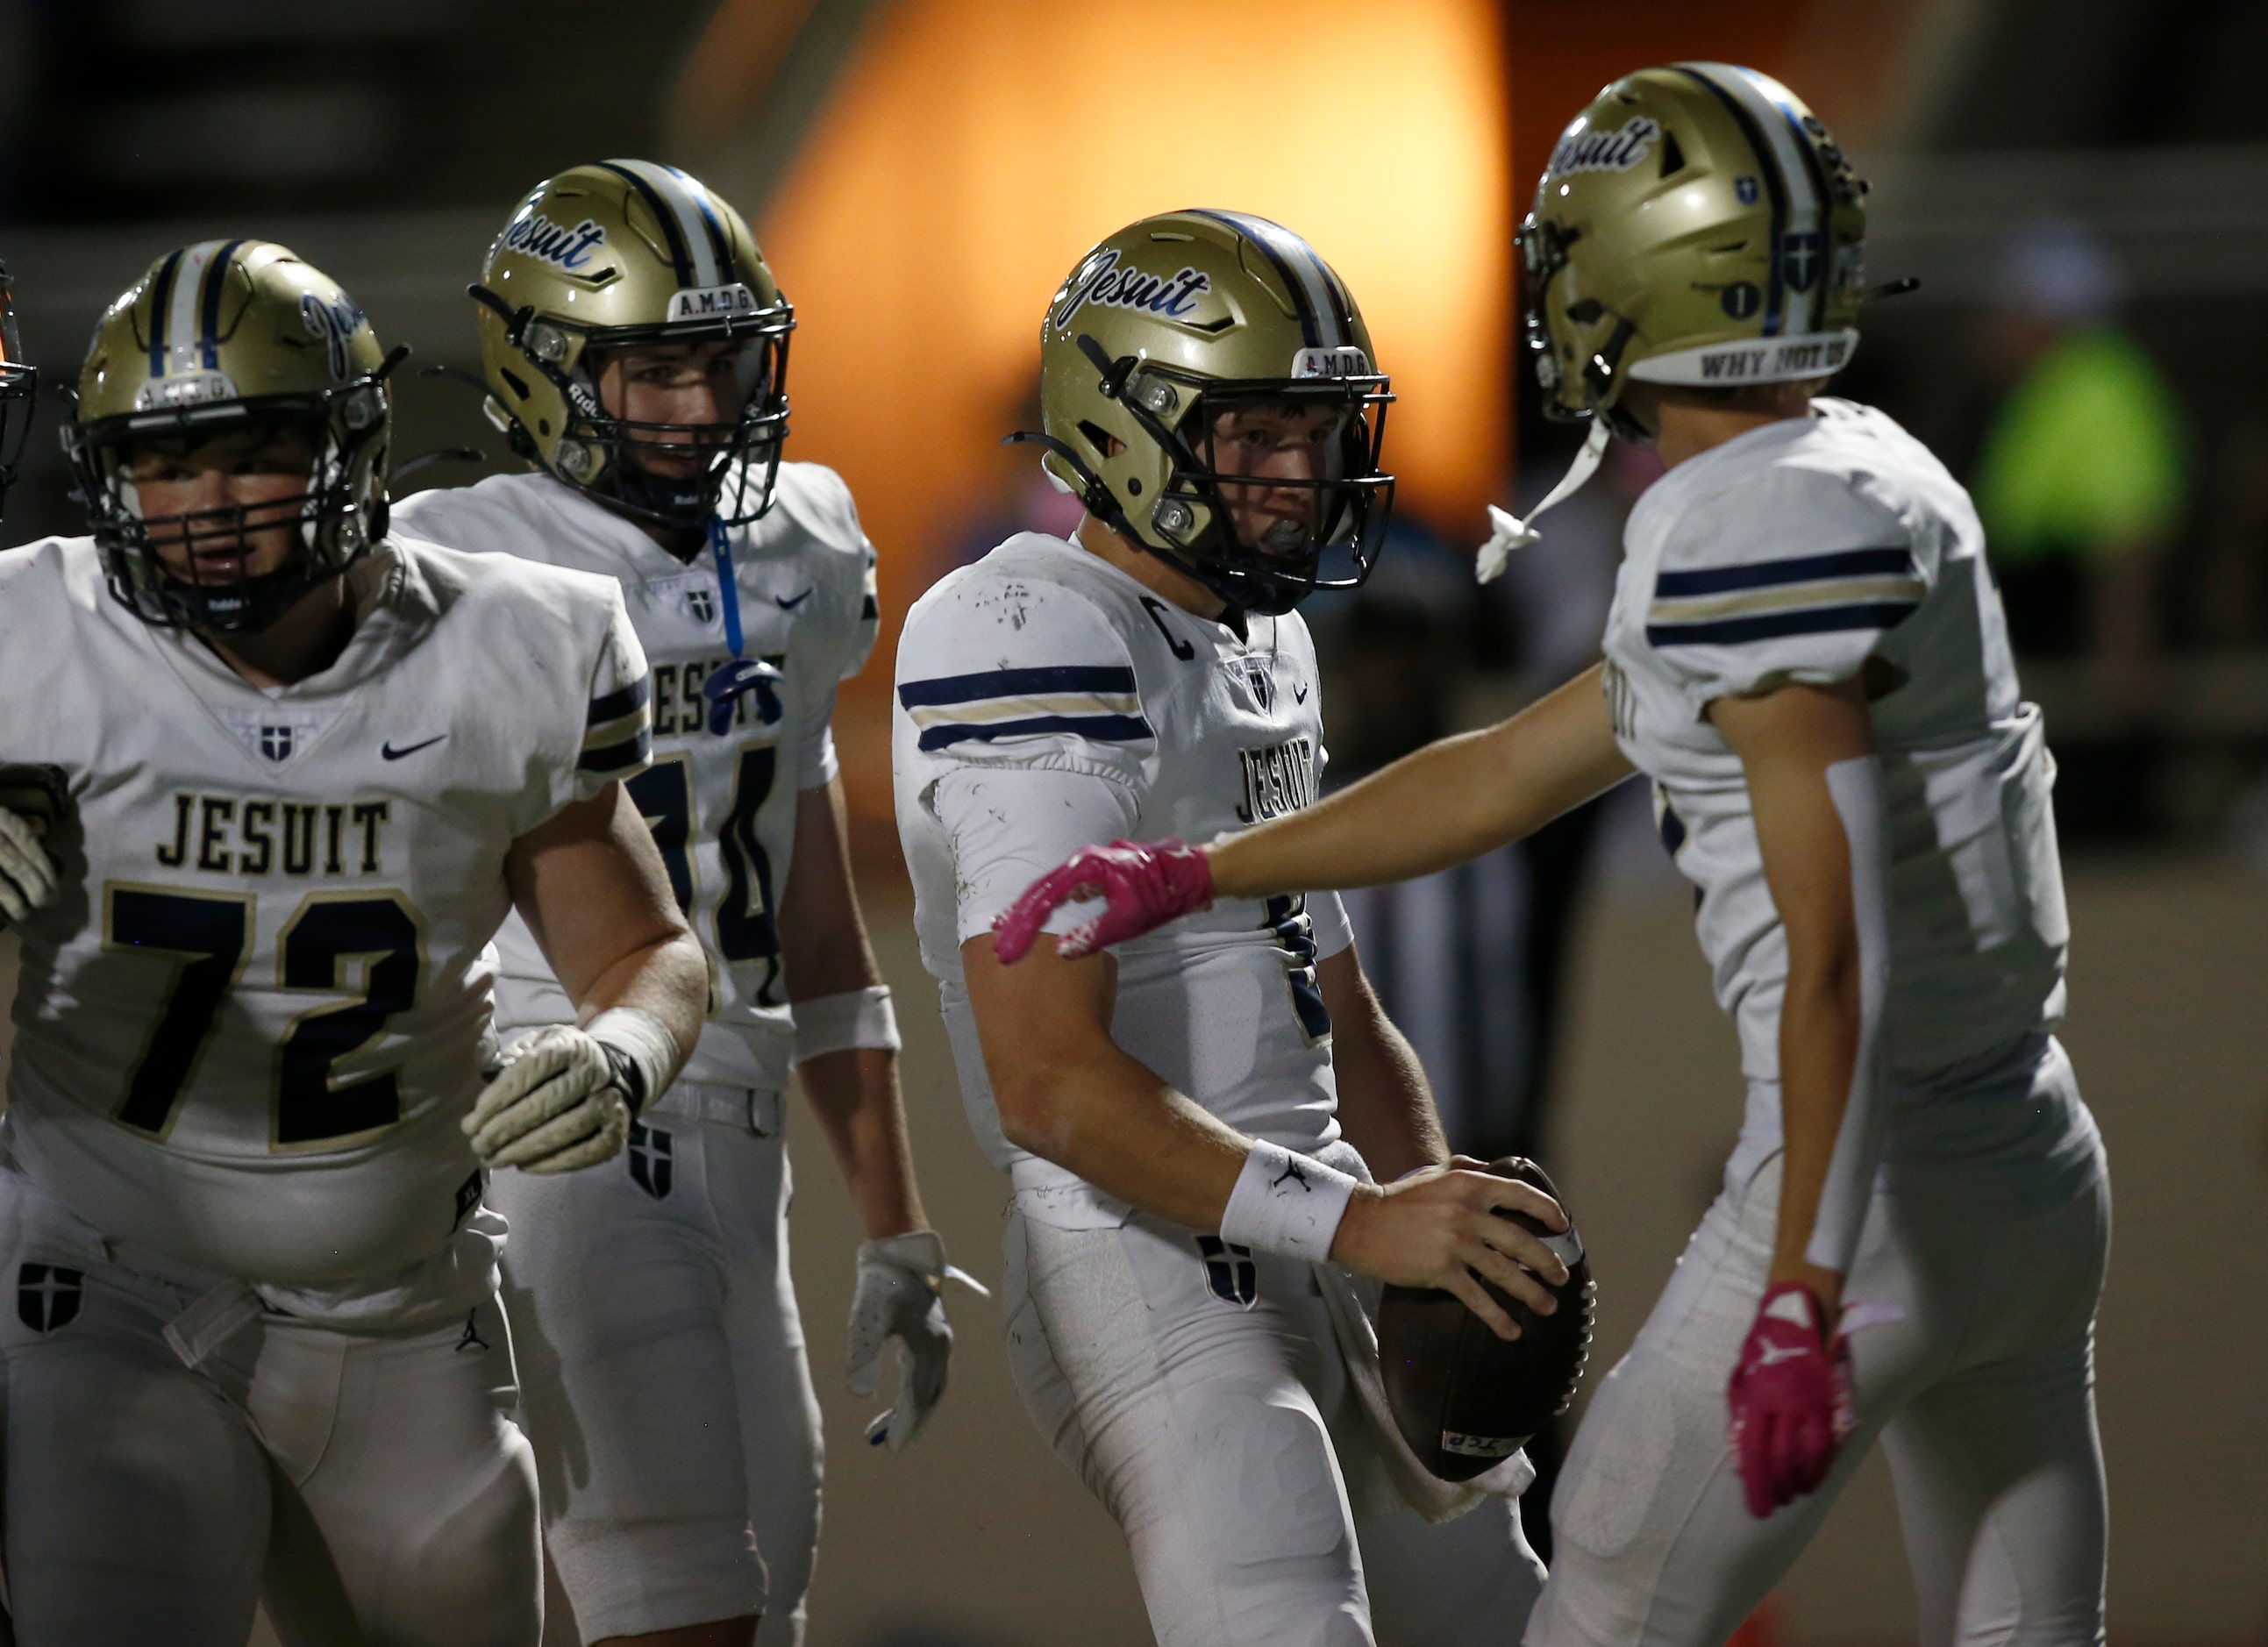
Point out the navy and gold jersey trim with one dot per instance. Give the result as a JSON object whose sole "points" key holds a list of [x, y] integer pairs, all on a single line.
{"points": [[1805, 594], [1092, 700], [618, 731]]}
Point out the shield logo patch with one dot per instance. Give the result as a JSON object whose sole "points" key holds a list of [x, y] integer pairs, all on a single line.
{"points": [[651, 1153], [1229, 1271], [48, 1296], [276, 742], [1799, 260]]}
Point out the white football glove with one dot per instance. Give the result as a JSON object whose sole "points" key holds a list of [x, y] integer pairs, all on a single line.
{"points": [[898, 1300], [28, 875], [562, 1102]]}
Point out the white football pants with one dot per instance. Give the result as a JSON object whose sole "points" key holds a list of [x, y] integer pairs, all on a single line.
{"points": [[369, 1485], [663, 1376], [1199, 1394], [1983, 1393]]}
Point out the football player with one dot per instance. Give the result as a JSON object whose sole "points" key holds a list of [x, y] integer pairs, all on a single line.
{"points": [[635, 346], [274, 777], [1193, 1124], [1806, 656]]}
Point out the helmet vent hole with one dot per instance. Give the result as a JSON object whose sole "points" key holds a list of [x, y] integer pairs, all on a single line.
{"points": [[543, 426], [512, 381], [1134, 485], [1672, 158], [1585, 312], [1098, 436]]}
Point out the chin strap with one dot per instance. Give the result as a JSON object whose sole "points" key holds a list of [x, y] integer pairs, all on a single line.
{"points": [[1508, 533]]}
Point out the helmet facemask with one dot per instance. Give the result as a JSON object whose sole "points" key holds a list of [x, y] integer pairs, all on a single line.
{"points": [[1263, 542], [153, 561], [737, 462], [1597, 337]]}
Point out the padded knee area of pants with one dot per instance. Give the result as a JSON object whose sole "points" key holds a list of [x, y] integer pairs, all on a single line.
{"points": [[629, 1578], [1265, 1475]]}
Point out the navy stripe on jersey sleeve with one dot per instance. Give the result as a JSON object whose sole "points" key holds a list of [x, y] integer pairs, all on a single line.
{"points": [[618, 731], [1099, 728], [1096, 702], [1870, 588], [612, 706], [1895, 561], [1771, 625]]}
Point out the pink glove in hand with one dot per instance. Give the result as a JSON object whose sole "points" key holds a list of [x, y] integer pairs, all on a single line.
{"points": [[1791, 1398], [1146, 882]]}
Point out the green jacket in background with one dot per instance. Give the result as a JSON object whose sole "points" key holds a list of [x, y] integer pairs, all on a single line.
{"points": [[2085, 457]]}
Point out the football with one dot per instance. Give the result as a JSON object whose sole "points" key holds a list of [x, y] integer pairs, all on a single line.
{"points": [[1464, 1398]]}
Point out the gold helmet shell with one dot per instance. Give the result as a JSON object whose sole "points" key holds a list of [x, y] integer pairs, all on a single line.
{"points": [[1163, 325], [613, 255], [1697, 225], [216, 336]]}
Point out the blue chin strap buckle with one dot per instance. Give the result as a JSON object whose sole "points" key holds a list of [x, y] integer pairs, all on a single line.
{"points": [[725, 686]]}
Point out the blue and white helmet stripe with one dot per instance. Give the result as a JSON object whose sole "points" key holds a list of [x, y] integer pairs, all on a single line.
{"points": [[185, 309], [1766, 110], [1324, 318], [696, 241]]}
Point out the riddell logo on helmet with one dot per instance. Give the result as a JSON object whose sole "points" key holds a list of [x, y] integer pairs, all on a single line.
{"points": [[1106, 282], [536, 236], [1615, 150]]}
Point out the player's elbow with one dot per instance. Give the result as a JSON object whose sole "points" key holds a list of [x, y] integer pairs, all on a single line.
{"points": [[1825, 976], [1036, 1097], [1031, 1113]]}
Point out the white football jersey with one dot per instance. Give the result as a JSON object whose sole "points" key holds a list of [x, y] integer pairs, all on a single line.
{"points": [[1795, 553], [1044, 657], [722, 803], [249, 1024]]}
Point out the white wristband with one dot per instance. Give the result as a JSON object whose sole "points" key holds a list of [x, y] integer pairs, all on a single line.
{"points": [[1285, 1203], [646, 1040], [837, 1023]]}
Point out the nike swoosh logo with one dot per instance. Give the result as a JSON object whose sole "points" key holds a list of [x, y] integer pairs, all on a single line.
{"points": [[1772, 1354], [391, 754], [786, 605], [1299, 694]]}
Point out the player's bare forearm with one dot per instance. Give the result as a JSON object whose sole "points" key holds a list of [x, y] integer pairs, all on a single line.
{"points": [[854, 1093], [1068, 1093], [1787, 742], [823, 943], [593, 889], [1386, 1106], [1448, 802], [825, 951]]}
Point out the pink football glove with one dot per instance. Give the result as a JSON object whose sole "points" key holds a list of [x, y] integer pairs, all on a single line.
{"points": [[1147, 883], [1791, 1398]]}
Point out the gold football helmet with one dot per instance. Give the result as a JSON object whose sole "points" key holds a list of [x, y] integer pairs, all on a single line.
{"points": [[1169, 324], [214, 337], [1697, 225], [616, 254], [19, 386]]}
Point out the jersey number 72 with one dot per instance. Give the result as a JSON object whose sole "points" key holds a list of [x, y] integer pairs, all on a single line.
{"points": [[205, 936]]}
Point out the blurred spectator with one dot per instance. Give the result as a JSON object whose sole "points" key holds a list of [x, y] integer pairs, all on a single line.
{"points": [[2081, 482], [1469, 961]]}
